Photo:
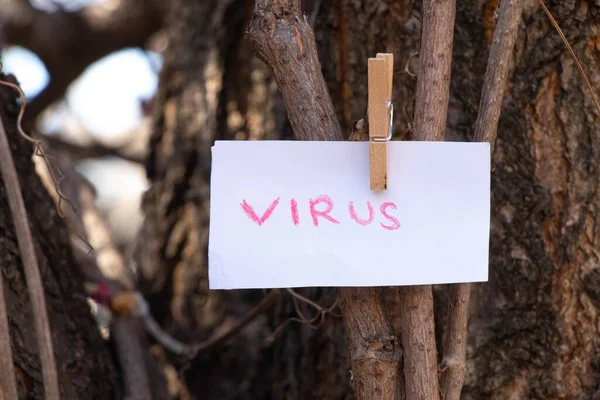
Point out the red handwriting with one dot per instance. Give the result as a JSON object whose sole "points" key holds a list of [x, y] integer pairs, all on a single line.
{"points": [[355, 217], [294, 208], [325, 213], [252, 214], [396, 224], [321, 209]]}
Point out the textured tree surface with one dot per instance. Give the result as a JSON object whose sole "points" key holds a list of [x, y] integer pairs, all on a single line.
{"points": [[86, 368], [533, 331], [533, 328], [212, 87]]}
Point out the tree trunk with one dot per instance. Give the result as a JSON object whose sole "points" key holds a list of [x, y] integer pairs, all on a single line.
{"points": [[533, 326], [86, 368], [213, 87]]}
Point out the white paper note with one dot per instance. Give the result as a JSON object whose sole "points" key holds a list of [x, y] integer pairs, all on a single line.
{"points": [[294, 214]]}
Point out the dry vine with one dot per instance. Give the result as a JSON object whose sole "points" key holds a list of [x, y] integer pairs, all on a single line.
{"points": [[568, 45], [53, 170]]}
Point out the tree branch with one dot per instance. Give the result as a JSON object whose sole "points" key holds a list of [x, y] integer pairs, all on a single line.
{"points": [[30, 266], [375, 353], [68, 42], [127, 338], [259, 309], [431, 107], [454, 365], [496, 74], [435, 60], [283, 39], [95, 149]]}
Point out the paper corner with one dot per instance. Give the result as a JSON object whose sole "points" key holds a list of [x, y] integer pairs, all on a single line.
{"points": [[218, 278]]}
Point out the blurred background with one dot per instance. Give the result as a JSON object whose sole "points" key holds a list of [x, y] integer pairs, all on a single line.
{"points": [[90, 115]]}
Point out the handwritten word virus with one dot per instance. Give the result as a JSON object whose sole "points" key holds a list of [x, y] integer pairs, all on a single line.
{"points": [[321, 212]]}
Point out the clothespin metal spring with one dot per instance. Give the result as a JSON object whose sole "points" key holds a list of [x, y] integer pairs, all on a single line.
{"points": [[390, 116]]}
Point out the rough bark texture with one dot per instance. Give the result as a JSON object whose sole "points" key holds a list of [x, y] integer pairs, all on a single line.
{"points": [[284, 40], [453, 367], [435, 59], [533, 329], [213, 87], [86, 368], [418, 333], [375, 352]]}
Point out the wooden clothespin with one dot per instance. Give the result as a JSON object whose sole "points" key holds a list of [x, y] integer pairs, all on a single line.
{"points": [[381, 111]]}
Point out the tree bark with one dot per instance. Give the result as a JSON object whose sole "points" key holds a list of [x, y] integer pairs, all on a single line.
{"points": [[206, 92], [283, 39], [375, 353], [85, 366], [454, 364], [532, 328]]}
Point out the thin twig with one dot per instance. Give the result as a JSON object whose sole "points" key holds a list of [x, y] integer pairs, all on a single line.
{"points": [[566, 42], [8, 383], [192, 350], [30, 263], [309, 322], [304, 299], [264, 305], [454, 366], [407, 65], [496, 74], [95, 149]]}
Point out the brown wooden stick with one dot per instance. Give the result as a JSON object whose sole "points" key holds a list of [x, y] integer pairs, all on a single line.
{"points": [[30, 266], [418, 342], [285, 42], [492, 95], [433, 88], [435, 59], [454, 365], [375, 353]]}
